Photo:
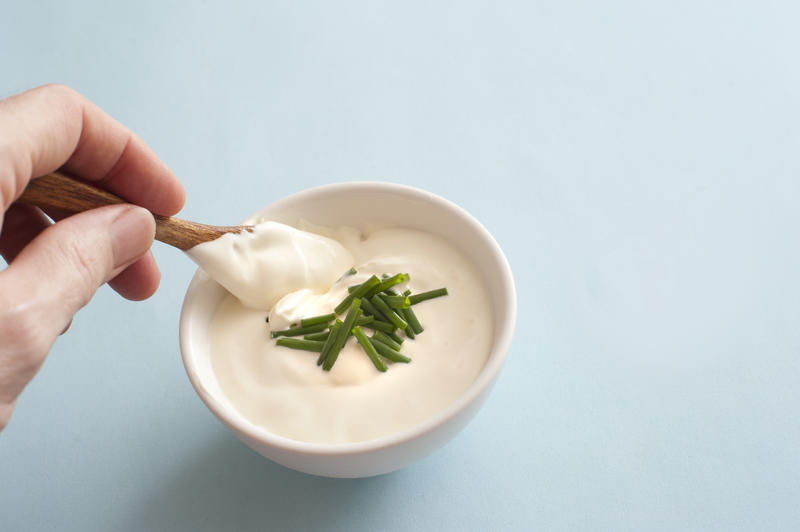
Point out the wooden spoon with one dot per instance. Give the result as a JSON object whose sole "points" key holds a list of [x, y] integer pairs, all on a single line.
{"points": [[68, 195]]}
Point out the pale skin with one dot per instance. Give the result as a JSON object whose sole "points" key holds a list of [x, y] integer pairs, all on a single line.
{"points": [[54, 269]]}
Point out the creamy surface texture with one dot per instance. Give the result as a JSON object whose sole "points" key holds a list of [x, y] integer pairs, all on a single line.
{"points": [[284, 391], [261, 266]]}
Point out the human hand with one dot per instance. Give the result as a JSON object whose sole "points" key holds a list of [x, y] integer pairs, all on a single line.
{"points": [[55, 269]]}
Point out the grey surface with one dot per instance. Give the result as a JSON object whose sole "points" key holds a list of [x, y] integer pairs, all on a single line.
{"points": [[638, 163]]}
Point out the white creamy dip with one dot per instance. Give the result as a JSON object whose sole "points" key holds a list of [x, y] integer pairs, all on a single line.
{"points": [[284, 391], [261, 266]]}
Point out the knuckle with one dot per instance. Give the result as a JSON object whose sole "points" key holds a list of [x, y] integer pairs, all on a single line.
{"points": [[15, 171], [88, 267], [24, 343], [58, 89]]}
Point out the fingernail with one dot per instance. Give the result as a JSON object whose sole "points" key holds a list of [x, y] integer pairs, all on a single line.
{"points": [[131, 233]]}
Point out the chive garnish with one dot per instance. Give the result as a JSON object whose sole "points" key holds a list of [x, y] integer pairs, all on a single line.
{"points": [[389, 282], [369, 309], [351, 271], [359, 292], [300, 331], [329, 342], [364, 320], [424, 296], [296, 343], [397, 302], [353, 311], [394, 337], [408, 330], [381, 305], [380, 325], [369, 349], [326, 318], [383, 337], [373, 304], [317, 336], [413, 322], [389, 353]]}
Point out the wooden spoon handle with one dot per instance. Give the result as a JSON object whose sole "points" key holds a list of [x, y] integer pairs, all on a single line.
{"points": [[65, 194]]}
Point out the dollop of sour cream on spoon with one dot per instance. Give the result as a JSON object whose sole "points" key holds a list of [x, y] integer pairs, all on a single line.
{"points": [[260, 266]]}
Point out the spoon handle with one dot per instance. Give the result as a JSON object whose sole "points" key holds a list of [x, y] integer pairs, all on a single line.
{"points": [[67, 195]]}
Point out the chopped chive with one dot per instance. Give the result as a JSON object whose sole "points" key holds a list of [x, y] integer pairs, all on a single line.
{"points": [[397, 302], [424, 296], [326, 318], [388, 283], [351, 271], [317, 336], [359, 292], [409, 315], [381, 305], [379, 325], [353, 312], [296, 343], [409, 331], [329, 342], [394, 337], [369, 309], [300, 331], [379, 312], [389, 353], [369, 349], [382, 337], [364, 320]]}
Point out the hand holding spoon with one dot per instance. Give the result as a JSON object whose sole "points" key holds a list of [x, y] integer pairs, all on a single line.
{"points": [[68, 195], [256, 263]]}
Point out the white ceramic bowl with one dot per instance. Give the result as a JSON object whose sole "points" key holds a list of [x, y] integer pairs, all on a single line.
{"points": [[355, 204]]}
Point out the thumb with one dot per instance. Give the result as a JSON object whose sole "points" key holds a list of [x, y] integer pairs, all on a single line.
{"points": [[59, 271]]}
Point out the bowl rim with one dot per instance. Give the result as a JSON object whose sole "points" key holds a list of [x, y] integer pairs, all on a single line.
{"points": [[500, 345]]}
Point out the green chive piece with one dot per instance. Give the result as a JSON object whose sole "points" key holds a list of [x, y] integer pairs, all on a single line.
{"points": [[388, 283], [397, 302], [388, 353], [370, 310], [296, 343], [352, 288], [359, 292], [321, 336], [326, 318], [413, 322], [379, 313], [394, 337], [364, 320], [351, 271], [353, 311], [382, 337], [329, 342], [424, 296], [300, 331], [369, 349], [381, 305], [409, 331], [379, 325]]}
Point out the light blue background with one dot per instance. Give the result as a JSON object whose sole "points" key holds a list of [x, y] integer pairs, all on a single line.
{"points": [[639, 164]]}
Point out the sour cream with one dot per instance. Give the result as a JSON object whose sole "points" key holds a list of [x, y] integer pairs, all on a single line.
{"points": [[261, 266], [285, 392]]}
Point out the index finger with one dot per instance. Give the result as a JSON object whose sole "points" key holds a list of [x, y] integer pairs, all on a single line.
{"points": [[53, 126]]}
